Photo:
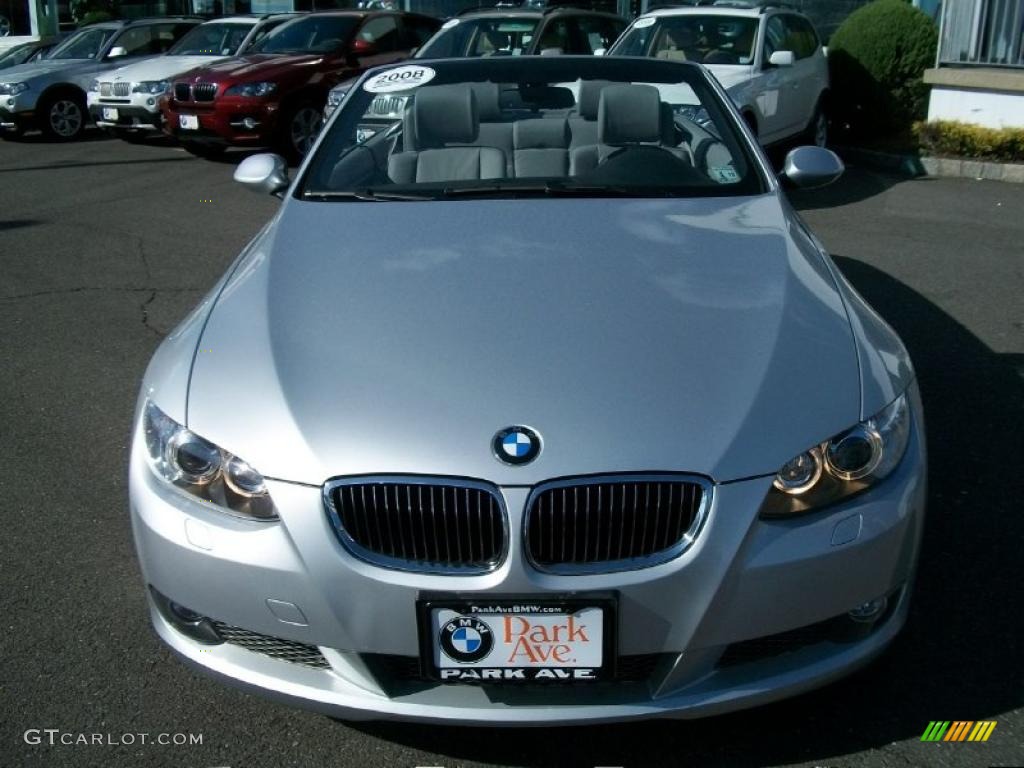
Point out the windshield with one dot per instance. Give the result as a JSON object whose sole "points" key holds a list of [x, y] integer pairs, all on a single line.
{"points": [[481, 37], [708, 39], [212, 39], [319, 34], [85, 44], [558, 126], [17, 55]]}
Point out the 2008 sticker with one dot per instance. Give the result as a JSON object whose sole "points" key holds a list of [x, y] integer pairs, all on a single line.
{"points": [[399, 79]]}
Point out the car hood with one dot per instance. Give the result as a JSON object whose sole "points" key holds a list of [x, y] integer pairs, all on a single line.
{"points": [[160, 68], [43, 67], [730, 75], [680, 335], [257, 66]]}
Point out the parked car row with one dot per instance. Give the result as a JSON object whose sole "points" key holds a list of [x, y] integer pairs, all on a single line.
{"points": [[269, 81]]}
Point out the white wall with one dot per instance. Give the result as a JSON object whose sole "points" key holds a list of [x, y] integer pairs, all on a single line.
{"points": [[993, 109]]}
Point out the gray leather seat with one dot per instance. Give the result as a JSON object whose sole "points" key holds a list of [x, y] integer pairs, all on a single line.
{"points": [[446, 122], [541, 147], [493, 131], [583, 124], [627, 115]]}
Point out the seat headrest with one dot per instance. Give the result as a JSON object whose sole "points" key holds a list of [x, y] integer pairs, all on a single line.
{"points": [[629, 114], [541, 134], [488, 107], [590, 97], [445, 114]]}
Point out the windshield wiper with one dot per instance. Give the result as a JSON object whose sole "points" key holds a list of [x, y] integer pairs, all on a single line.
{"points": [[368, 195], [560, 189]]}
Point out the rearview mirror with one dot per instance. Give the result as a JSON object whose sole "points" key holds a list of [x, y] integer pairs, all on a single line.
{"points": [[117, 52], [781, 59], [810, 167], [264, 173]]}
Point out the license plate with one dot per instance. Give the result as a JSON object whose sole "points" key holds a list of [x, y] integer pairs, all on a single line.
{"points": [[110, 113], [189, 122], [517, 641]]}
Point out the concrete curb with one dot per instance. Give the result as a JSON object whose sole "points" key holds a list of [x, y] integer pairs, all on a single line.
{"points": [[946, 167]]}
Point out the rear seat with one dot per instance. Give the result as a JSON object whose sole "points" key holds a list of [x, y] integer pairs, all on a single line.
{"points": [[541, 147], [446, 137], [583, 125]]}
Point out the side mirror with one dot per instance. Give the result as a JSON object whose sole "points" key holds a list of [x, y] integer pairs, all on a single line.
{"points": [[117, 52], [600, 51], [810, 167], [265, 173], [781, 59]]}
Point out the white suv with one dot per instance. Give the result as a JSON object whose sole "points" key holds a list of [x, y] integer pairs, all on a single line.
{"points": [[768, 58], [126, 101]]}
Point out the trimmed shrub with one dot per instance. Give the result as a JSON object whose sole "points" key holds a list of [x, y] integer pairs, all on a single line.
{"points": [[951, 138], [877, 59], [95, 17]]}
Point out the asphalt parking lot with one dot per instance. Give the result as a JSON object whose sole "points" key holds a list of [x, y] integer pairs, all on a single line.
{"points": [[105, 246]]}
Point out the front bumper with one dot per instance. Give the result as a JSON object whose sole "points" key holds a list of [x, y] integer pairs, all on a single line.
{"points": [[228, 122], [14, 119], [744, 579], [129, 115]]}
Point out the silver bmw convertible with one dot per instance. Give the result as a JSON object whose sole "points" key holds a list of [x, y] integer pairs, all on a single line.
{"points": [[535, 403]]}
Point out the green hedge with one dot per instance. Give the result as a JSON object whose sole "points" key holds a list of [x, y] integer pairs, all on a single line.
{"points": [[947, 137], [95, 17], [877, 59]]}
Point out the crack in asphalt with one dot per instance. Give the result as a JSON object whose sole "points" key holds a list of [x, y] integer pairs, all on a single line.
{"points": [[145, 314], [110, 288]]}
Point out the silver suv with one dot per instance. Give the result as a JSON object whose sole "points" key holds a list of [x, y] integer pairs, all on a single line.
{"points": [[50, 94], [768, 58]]}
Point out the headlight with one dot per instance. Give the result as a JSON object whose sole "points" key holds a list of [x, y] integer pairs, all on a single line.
{"points": [[202, 469], [94, 86], [334, 98], [847, 464], [151, 87], [251, 90], [12, 89]]}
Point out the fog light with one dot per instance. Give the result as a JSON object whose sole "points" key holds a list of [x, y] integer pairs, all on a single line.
{"points": [[151, 102], [185, 620], [183, 613], [869, 611], [249, 123]]}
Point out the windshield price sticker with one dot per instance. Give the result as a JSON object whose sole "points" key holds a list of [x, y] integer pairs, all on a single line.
{"points": [[399, 79]]}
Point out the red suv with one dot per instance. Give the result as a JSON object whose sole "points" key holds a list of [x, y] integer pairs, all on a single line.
{"points": [[275, 94]]}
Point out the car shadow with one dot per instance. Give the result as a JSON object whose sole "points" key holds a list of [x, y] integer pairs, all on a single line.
{"points": [[960, 655], [37, 137], [853, 186]]}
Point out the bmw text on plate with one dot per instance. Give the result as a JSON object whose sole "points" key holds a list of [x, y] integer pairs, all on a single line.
{"points": [[535, 403]]}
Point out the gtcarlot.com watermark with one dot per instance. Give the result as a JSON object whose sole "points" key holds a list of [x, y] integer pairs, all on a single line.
{"points": [[54, 737]]}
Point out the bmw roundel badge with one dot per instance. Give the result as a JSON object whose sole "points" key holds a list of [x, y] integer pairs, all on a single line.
{"points": [[466, 639], [516, 445]]}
